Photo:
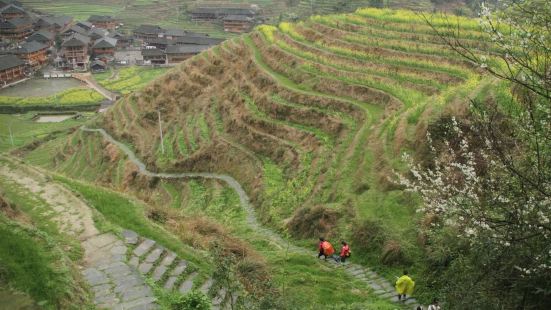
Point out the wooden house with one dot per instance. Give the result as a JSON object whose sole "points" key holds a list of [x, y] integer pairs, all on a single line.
{"points": [[33, 53], [212, 14], [55, 24], [179, 53], [98, 66], [238, 23], [123, 41], [12, 11], [154, 56], [104, 46], [85, 25], [75, 51], [147, 32], [42, 36], [11, 69], [16, 29], [103, 21]]}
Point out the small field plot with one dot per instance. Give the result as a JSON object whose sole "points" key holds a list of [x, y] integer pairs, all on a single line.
{"points": [[126, 80]]}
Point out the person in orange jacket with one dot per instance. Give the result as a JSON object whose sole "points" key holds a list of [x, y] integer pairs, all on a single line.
{"points": [[345, 252], [325, 249]]}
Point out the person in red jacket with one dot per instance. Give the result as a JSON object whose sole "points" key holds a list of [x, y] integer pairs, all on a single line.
{"points": [[345, 251], [320, 248]]}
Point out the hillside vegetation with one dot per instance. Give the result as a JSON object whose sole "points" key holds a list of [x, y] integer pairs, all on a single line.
{"points": [[311, 118]]}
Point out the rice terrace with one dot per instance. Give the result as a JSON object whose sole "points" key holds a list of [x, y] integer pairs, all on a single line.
{"points": [[275, 154]]}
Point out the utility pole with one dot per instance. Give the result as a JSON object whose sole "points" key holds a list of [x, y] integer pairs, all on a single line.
{"points": [[11, 135], [161, 132]]}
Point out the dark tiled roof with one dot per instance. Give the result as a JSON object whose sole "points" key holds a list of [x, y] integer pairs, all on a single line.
{"points": [[41, 36], [241, 18], [76, 29], [160, 41], [175, 32], [14, 23], [10, 61], [149, 29], [76, 40], [85, 25], [4, 3], [186, 49], [12, 9], [30, 47], [59, 21], [97, 63], [105, 43], [197, 40], [100, 18], [223, 11], [152, 52]]}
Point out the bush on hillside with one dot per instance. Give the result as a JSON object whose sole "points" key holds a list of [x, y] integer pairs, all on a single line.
{"points": [[309, 222], [194, 300], [368, 235]]}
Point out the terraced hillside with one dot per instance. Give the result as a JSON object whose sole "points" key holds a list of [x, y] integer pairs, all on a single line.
{"points": [[311, 119]]}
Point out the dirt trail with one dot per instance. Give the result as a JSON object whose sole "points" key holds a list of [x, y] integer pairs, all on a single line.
{"points": [[115, 284], [380, 286]]}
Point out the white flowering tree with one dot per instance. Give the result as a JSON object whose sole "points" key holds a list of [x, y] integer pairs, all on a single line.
{"points": [[487, 186]]}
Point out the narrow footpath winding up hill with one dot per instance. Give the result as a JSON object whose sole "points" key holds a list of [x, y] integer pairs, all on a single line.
{"points": [[310, 118]]}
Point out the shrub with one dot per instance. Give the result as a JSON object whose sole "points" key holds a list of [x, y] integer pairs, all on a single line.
{"points": [[309, 222], [193, 300], [368, 235]]}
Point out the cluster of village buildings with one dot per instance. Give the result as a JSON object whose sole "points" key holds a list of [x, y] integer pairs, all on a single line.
{"points": [[30, 40]]}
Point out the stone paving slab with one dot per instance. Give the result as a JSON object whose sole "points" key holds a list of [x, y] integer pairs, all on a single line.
{"points": [[130, 237], [145, 267], [187, 285], [134, 262], [159, 272], [137, 292], [206, 286], [169, 284], [182, 265], [154, 255], [169, 258], [144, 247]]}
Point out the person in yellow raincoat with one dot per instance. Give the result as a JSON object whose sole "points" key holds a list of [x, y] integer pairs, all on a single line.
{"points": [[404, 286]]}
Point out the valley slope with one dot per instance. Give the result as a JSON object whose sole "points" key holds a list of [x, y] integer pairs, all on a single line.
{"points": [[311, 118]]}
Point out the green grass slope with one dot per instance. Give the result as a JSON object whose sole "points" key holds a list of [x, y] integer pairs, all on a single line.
{"points": [[311, 118]]}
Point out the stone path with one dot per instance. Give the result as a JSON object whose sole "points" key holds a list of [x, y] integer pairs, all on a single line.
{"points": [[115, 284], [89, 80], [167, 269], [380, 285]]}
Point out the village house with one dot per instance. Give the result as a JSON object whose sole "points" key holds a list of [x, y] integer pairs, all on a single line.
{"points": [[160, 43], [177, 53], [34, 54], [103, 21], [96, 34], [212, 14], [16, 29], [53, 24], [72, 30], [11, 69], [74, 51], [12, 11], [98, 66], [153, 56], [85, 25], [238, 23], [42, 36], [123, 41], [4, 3], [197, 40], [148, 32], [105, 47]]}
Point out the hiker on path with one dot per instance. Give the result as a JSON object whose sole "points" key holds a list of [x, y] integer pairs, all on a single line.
{"points": [[404, 286], [345, 252], [325, 249], [434, 305]]}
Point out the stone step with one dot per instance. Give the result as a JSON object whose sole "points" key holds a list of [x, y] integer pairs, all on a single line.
{"points": [[206, 286], [154, 255], [169, 258], [136, 293], [159, 272], [144, 247], [179, 269], [134, 262], [130, 237], [219, 298], [187, 285], [145, 267], [169, 285]]}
